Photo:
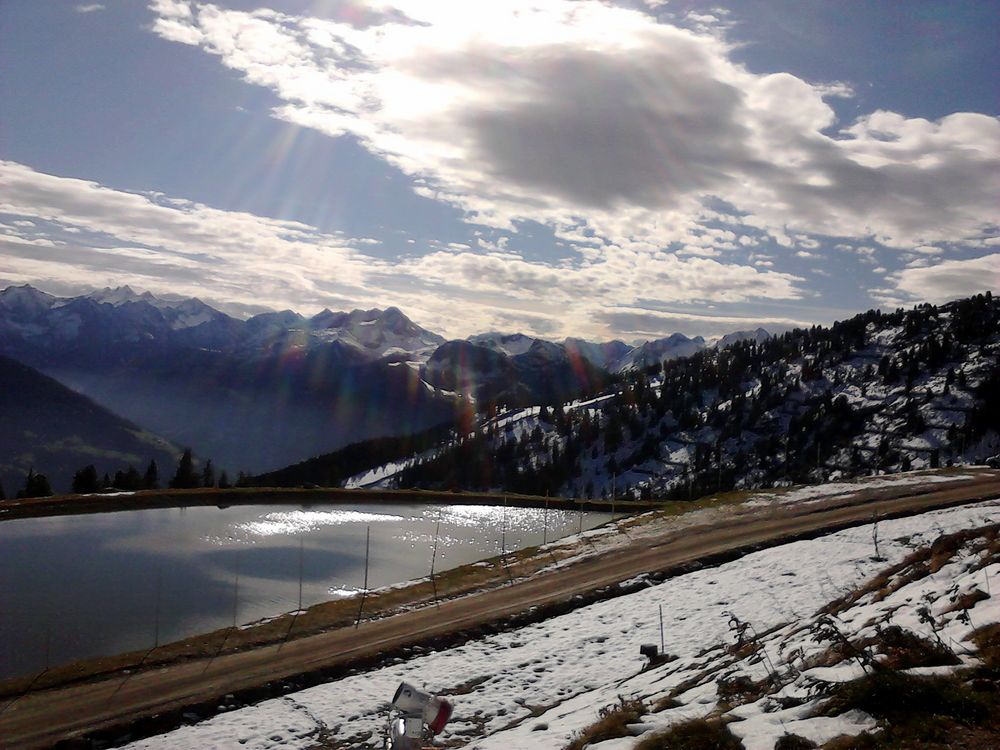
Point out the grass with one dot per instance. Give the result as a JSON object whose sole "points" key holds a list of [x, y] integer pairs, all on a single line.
{"points": [[696, 734], [921, 563], [741, 689], [899, 698], [793, 742], [904, 649], [987, 640], [919, 712], [612, 723]]}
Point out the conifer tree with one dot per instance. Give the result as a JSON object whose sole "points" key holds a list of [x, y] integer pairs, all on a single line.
{"points": [[208, 475], [224, 481], [151, 480], [85, 480], [186, 477], [35, 485]]}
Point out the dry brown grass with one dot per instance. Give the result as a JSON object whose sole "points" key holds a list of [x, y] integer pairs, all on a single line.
{"points": [[696, 734], [904, 649], [611, 725], [921, 563]]}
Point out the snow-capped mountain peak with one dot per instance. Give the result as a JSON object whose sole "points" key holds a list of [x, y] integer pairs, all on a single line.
{"points": [[511, 344], [758, 335], [674, 346], [375, 332], [26, 301]]}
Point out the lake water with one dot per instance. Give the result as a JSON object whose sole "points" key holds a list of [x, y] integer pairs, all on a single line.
{"points": [[74, 587]]}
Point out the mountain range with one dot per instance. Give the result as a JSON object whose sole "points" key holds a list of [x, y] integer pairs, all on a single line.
{"points": [[880, 392], [261, 393]]}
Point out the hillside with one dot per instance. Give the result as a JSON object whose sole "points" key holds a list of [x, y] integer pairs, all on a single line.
{"points": [[881, 392], [56, 431]]}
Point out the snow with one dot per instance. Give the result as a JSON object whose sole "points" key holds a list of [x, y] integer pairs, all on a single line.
{"points": [[842, 489], [512, 345], [538, 685]]}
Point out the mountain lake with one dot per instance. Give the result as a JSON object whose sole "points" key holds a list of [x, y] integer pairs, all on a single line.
{"points": [[75, 587]]}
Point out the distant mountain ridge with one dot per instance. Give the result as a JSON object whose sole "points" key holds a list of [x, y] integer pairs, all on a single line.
{"points": [[877, 393], [278, 387]]}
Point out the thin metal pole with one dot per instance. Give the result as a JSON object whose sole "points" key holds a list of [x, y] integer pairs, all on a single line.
{"points": [[614, 491], [503, 541], [663, 646], [437, 529], [156, 613], [545, 521], [364, 592], [236, 589], [48, 643], [300, 575], [503, 531]]}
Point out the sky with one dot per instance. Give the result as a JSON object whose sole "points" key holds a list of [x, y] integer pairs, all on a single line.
{"points": [[556, 167]]}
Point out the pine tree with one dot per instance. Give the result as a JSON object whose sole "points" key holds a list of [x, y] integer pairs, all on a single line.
{"points": [[224, 481], [186, 477], [3, 495], [208, 475], [151, 480], [86, 481], [132, 480], [35, 485]]}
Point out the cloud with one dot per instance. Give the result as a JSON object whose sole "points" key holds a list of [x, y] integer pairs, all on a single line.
{"points": [[67, 232], [947, 280], [89, 8], [646, 324], [581, 113]]}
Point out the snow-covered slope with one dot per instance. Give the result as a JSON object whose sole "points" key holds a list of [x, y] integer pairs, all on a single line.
{"points": [[605, 355], [377, 333], [675, 346], [511, 344]]}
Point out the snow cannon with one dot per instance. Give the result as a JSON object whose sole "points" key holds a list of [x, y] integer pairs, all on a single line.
{"points": [[433, 711]]}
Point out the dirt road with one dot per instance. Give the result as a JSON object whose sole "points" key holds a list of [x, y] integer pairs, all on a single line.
{"points": [[44, 718]]}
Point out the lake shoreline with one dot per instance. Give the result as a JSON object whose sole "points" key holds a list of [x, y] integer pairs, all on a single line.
{"points": [[71, 505]]}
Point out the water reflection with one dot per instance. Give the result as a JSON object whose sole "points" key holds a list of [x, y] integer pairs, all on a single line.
{"points": [[298, 521]]}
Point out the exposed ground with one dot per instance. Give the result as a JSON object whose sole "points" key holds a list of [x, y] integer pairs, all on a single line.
{"points": [[540, 587]]}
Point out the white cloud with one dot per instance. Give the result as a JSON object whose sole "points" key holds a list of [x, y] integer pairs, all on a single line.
{"points": [[645, 324], [948, 280], [578, 111], [70, 231], [89, 8]]}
